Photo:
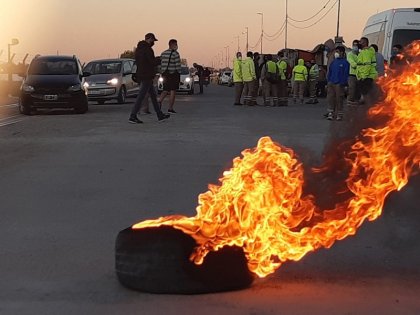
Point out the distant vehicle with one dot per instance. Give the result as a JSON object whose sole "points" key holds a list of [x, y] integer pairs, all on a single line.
{"points": [[111, 79], [225, 78], [54, 82], [396, 26], [186, 83]]}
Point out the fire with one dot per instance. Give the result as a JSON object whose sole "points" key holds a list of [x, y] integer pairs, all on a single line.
{"points": [[260, 203]]}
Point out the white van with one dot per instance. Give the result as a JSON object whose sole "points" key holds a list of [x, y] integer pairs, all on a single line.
{"points": [[391, 27]]}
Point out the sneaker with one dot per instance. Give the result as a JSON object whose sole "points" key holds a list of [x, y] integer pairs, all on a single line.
{"points": [[163, 117], [171, 111], [339, 118], [134, 120], [330, 116]]}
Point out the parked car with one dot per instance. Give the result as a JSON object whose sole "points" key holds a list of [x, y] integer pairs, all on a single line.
{"points": [[111, 79], [186, 83], [225, 77], [53, 82]]}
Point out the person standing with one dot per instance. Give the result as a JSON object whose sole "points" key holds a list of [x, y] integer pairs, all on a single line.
{"points": [[270, 78], [282, 93], [397, 57], [200, 73], [146, 71], [380, 61], [258, 69], [366, 70], [249, 76], [313, 81], [353, 93], [238, 79], [299, 78], [337, 79], [170, 63]]}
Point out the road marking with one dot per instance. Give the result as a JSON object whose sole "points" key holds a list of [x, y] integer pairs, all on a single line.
{"points": [[10, 122], [10, 105]]}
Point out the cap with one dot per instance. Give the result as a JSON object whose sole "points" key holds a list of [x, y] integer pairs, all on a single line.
{"points": [[150, 36]]}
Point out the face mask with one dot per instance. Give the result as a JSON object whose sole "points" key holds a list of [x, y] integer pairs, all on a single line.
{"points": [[152, 44], [355, 48], [175, 48], [336, 55], [394, 53], [239, 58]]}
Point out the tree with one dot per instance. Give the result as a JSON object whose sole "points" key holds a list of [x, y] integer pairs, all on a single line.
{"points": [[128, 54]]}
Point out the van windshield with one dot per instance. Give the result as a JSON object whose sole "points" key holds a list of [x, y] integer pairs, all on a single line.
{"points": [[405, 37]]}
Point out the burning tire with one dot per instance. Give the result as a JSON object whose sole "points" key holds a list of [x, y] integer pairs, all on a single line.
{"points": [[156, 260]]}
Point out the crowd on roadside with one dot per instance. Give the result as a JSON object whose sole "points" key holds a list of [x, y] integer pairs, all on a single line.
{"points": [[351, 74]]}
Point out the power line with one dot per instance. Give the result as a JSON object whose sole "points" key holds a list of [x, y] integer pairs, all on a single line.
{"points": [[278, 32], [255, 46], [319, 20], [313, 16]]}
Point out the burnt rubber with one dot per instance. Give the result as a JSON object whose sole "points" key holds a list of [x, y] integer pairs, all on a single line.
{"points": [[156, 260]]}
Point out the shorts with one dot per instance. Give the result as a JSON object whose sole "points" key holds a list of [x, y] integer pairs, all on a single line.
{"points": [[171, 81], [365, 86]]}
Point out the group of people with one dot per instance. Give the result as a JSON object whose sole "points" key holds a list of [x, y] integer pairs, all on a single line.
{"points": [[355, 71]]}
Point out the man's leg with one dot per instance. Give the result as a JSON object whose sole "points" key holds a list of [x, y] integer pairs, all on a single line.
{"points": [[331, 101], [301, 88], [238, 92], [172, 99], [200, 81], [143, 90], [339, 94], [155, 103], [245, 92], [266, 92], [275, 94]]}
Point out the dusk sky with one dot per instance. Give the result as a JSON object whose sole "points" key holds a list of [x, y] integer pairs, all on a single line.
{"points": [[104, 28]]}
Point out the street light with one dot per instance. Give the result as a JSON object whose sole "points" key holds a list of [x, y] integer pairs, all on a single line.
{"points": [[247, 37], [14, 42], [262, 29]]}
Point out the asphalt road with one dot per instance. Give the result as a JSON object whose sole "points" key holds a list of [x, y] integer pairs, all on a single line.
{"points": [[69, 183]]}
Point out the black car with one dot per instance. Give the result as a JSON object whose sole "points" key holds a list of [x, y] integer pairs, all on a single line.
{"points": [[54, 82]]}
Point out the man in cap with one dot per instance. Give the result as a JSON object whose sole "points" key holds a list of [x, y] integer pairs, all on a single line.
{"points": [[146, 71]]}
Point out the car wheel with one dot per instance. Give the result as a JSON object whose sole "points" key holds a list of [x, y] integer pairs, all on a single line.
{"points": [[156, 260], [101, 102], [25, 109], [122, 95], [82, 109]]}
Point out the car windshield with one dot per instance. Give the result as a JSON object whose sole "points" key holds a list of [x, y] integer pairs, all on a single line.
{"points": [[227, 73], [185, 70], [405, 37], [108, 67], [53, 67]]}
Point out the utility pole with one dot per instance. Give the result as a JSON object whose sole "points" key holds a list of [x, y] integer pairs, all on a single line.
{"points": [[287, 22], [338, 18], [247, 39], [262, 29]]}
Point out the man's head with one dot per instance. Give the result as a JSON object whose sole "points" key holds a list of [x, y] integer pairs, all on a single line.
{"points": [[256, 55], [195, 65], [339, 52], [150, 38], [396, 49], [355, 45], [239, 55], [374, 46], [280, 54], [313, 62], [364, 42], [268, 57], [173, 44], [249, 54]]}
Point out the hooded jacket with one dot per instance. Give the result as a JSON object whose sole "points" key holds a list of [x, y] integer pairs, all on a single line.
{"points": [[146, 61], [366, 64], [248, 70], [237, 71], [300, 72]]}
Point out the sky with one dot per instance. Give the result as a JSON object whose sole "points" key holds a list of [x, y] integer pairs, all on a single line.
{"points": [[205, 29]]}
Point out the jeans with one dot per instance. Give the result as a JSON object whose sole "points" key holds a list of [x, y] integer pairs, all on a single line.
{"points": [[146, 86]]}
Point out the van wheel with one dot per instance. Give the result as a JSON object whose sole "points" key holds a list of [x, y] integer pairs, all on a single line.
{"points": [[122, 95]]}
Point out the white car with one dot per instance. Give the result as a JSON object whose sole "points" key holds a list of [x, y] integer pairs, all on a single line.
{"points": [[186, 83], [225, 78]]}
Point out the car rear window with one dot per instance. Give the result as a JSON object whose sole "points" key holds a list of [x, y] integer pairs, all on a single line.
{"points": [[107, 67], [53, 67]]}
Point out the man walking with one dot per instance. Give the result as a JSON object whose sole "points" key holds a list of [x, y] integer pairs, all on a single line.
{"points": [[282, 93], [146, 71], [238, 79], [300, 76], [171, 70], [337, 79], [249, 76], [313, 81], [353, 94], [270, 78], [200, 74]]}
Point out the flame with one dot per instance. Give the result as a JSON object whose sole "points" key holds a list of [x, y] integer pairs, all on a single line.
{"points": [[260, 203]]}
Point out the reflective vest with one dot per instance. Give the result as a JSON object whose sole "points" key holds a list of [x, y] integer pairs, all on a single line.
{"points": [[282, 65], [352, 59], [237, 71], [271, 66], [314, 73], [366, 64], [300, 72], [248, 70]]}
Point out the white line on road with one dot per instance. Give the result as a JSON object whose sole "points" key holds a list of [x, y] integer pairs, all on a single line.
{"points": [[10, 105], [10, 122]]}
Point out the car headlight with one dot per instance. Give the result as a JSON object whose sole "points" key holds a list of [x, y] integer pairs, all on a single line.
{"points": [[75, 88], [28, 88], [160, 79], [188, 80], [113, 81], [86, 85]]}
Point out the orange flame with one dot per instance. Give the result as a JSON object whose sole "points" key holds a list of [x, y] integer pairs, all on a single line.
{"points": [[260, 204]]}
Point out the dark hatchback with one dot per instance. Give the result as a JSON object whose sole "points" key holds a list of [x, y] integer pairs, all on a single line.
{"points": [[54, 82]]}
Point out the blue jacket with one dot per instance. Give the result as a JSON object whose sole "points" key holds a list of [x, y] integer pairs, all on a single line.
{"points": [[338, 72]]}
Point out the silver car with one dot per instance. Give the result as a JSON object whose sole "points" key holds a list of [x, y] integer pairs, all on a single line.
{"points": [[186, 83], [110, 79]]}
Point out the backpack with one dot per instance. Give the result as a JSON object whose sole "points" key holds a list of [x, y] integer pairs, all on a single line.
{"points": [[271, 76]]}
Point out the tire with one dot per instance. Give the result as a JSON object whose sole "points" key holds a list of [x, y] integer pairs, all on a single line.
{"points": [[156, 260], [82, 109], [122, 95], [25, 109], [101, 102]]}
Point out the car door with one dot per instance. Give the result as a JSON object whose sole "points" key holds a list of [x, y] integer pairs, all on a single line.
{"points": [[128, 81]]}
